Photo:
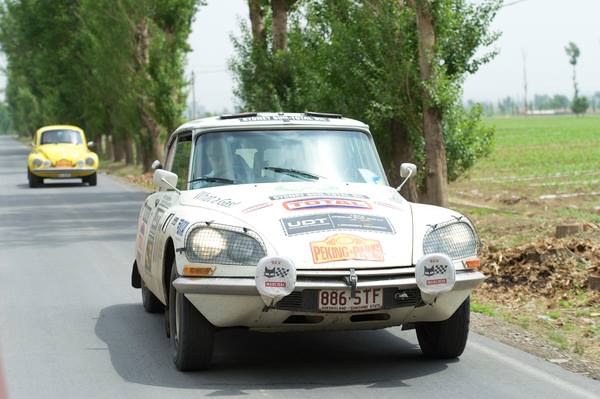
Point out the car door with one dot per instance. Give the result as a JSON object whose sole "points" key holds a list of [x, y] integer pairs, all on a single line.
{"points": [[164, 204]]}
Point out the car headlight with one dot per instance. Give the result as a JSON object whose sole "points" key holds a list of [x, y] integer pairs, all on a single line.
{"points": [[225, 245], [37, 162], [457, 239], [89, 161]]}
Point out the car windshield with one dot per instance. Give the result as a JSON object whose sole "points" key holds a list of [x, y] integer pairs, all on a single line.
{"points": [[244, 157], [61, 137]]}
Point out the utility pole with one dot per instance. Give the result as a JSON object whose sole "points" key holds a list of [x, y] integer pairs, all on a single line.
{"points": [[193, 95], [525, 79]]}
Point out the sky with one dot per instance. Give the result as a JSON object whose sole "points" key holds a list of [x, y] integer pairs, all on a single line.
{"points": [[540, 29]]}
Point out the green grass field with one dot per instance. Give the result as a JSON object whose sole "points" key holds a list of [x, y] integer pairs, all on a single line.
{"points": [[543, 155], [533, 158]]}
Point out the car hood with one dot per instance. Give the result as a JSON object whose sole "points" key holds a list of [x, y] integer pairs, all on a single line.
{"points": [[56, 152], [317, 225]]}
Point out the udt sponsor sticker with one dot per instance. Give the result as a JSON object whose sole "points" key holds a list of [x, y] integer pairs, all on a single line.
{"points": [[435, 273], [275, 278]]}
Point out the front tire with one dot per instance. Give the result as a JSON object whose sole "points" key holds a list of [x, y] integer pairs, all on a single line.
{"points": [[91, 179], [446, 339], [192, 336], [34, 181], [151, 303]]}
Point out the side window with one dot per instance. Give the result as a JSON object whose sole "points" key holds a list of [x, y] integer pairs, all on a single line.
{"points": [[180, 164]]}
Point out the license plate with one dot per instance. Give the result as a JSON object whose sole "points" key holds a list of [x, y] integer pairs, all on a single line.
{"points": [[63, 164], [340, 300]]}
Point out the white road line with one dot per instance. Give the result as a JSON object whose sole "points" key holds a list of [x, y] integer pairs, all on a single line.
{"points": [[539, 374]]}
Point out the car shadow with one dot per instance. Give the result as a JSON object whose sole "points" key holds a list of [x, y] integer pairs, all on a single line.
{"points": [[248, 361]]}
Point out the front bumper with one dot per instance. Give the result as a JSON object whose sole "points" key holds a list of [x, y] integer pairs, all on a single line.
{"points": [[246, 286], [63, 173], [228, 302]]}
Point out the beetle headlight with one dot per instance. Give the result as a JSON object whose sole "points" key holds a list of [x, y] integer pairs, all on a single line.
{"points": [[89, 161], [223, 245], [457, 239], [37, 162]]}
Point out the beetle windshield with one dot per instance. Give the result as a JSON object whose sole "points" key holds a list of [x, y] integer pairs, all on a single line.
{"points": [[284, 156], [61, 137]]}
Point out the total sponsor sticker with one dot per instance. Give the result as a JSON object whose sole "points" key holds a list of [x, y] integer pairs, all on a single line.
{"points": [[325, 202]]}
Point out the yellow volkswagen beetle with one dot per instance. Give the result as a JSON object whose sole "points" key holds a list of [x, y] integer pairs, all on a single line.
{"points": [[61, 152]]}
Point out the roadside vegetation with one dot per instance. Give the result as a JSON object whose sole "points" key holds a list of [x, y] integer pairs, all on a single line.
{"points": [[542, 173]]}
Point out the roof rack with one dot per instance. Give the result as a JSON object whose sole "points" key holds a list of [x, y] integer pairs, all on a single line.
{"points": [[323, 115], [240, 115]]}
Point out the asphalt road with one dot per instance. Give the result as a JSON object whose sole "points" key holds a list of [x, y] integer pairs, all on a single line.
{"points": [[71, 326]]}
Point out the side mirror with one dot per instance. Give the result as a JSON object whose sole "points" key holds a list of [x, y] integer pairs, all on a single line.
{"points": [[91, 144], [165, 179], [156, 165], [408, 170]]}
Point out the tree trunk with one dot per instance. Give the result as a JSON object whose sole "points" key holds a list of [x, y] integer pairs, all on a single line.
{"points": [[436, 173], [129, 158], [151, 148], [401, 152], [102, 145], [109, 147], [257, 22], [279, 27], [118, 150]]}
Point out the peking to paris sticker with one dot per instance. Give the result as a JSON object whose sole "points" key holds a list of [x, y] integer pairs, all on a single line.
{"points": [[339, 247]]}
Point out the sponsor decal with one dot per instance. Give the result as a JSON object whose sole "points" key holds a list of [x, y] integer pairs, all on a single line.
{"points": [[335, 221], [257, 207], [340, 247], [302, 195], [182, 226], [277, 284], [435, 269], [216, 200], [436, 281], [267, 118], [276, 272], [325, 202], [146, 212]]}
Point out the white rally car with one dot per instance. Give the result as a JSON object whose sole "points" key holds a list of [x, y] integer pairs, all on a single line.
{"points": [[280, 222]]}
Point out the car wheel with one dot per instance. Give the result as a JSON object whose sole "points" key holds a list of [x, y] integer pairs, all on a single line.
{"points": [[151, 303], [91, 179], [34, 181], [192, 336], [445, 339]]}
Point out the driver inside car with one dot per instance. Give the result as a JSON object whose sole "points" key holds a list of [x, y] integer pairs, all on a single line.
{"points": [[221, 158]]}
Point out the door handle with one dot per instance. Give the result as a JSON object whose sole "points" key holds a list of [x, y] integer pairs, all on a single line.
{"points": [[156, 201]]}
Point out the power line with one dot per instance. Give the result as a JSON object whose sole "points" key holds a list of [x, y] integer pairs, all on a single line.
{"points": [[512, 3]]}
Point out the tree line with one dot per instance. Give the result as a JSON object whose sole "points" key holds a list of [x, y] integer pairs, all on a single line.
{"points": [[397, 65], [115, 67]]}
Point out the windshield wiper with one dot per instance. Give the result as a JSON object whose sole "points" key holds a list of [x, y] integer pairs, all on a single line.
{"points": [[212, 180], [295, 173]]}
